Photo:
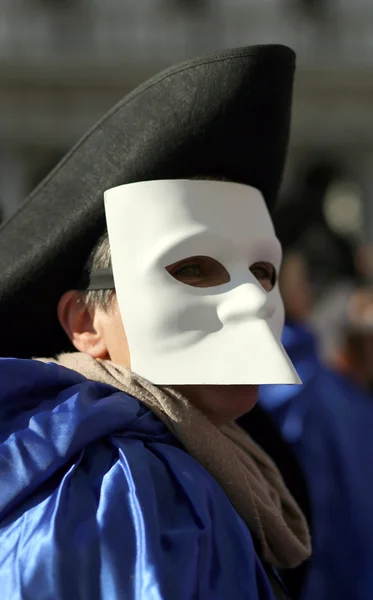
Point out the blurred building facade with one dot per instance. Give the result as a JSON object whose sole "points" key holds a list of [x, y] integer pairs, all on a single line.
{"points": [[63, 63]]}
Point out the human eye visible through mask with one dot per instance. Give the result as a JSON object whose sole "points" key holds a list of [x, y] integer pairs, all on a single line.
{"points": [[199, 271], [204, 271], [266, 274]]}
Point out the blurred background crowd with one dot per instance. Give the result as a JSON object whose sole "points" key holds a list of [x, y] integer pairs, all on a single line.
{"points": [[63, 63]]}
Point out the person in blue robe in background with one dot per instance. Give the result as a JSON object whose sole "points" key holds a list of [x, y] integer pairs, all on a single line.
{"points": [[328, 422], [122, 472]]}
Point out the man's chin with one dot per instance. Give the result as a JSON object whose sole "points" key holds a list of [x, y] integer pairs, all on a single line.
{"points": [[222, 403]]}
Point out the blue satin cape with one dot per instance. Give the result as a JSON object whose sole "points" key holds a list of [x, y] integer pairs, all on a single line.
{"points": [[99, 501], [329, 423]]}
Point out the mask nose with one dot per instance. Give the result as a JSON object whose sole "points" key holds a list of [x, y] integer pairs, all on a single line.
{"points": [[247, 301]]}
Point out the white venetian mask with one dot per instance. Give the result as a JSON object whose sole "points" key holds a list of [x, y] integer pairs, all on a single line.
{"points": [[187, 261]]}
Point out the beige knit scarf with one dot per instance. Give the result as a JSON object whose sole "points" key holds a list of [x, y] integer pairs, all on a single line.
{"points": [[246, 474]]}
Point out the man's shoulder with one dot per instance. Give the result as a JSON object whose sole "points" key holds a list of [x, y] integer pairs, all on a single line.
{"points": [[34, 392], [26, 373], [49, 415]]}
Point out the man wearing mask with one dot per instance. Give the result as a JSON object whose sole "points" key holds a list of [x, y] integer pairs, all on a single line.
{"points": [[125, 475]]}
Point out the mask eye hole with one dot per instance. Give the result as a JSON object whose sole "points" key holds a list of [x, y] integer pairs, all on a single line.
{"points": [[199, 271], [265, 273]]}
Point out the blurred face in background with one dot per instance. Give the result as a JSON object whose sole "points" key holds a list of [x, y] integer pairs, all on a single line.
{"points": [[295, 288], [356, 354], [363, 259]]}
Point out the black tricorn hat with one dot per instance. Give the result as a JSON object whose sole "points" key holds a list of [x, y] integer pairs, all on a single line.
{"points": [[224, 115]]}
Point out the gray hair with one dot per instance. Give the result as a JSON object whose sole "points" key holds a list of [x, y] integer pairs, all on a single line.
{"points": [[99, 258]]}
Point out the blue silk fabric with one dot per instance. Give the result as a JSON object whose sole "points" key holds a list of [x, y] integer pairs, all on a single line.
{"points": [[329, 423], [99, 501]]}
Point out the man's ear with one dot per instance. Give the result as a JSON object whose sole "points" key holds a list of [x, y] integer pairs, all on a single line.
{"points": [[82, 324]]}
